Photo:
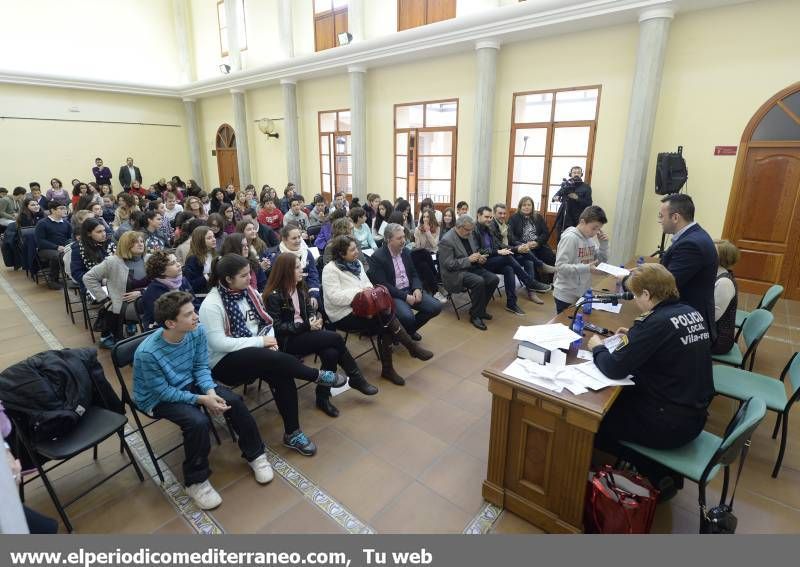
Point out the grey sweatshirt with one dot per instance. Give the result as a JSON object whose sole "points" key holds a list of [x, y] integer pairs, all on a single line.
{"points": [[573, 274]]}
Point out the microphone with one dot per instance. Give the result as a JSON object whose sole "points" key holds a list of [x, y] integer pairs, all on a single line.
{"points": [[613, 298]]}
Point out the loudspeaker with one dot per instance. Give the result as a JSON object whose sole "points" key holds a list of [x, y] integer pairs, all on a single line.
{"points": [[671, 173]]}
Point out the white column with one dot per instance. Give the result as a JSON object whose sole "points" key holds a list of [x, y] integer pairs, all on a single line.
{"points": [[486, 54], [292, 132], [242, 145], [190, 110], [358, 131], [285, 29], [355, 19], [653, 35], [180, 14], [232, 21]]}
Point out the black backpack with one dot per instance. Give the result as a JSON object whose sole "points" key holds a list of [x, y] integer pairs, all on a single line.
{"points": [[671, 173]]}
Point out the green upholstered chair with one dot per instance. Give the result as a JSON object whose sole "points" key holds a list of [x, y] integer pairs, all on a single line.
{"points": [[754, 329], [701, 459], [768, 301], [741, 384]]}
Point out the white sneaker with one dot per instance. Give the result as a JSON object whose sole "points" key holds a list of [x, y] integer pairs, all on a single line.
{"points": [[262, 469], [204, 495], [440, 296]]}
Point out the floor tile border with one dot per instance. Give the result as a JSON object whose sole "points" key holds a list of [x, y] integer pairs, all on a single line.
{"points": [[483, 520], [200, 521]]}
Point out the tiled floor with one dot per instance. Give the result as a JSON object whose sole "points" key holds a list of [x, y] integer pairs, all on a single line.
{"points": [[410, 459]]}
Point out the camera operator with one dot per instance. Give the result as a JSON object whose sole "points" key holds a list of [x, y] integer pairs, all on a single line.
{"points": [[575, 196]]}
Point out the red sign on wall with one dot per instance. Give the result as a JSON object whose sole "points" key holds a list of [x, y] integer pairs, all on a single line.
{"points": [[725, 150]]}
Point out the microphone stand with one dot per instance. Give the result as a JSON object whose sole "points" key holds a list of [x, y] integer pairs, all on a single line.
{"points": [[584, 301]]}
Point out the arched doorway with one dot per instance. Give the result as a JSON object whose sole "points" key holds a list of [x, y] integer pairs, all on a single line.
{"points": [[763, 217], [227, 161]]}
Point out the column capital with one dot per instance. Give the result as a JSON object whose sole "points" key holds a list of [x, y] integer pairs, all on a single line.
{"points": [[660, 13], [487, 44], [236, 91], [356, 69], [188, 99], [288, 81]]}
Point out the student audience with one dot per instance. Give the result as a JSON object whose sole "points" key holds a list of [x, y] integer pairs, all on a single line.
{"points": [[298, 328], [242, 346], [30, 213], [215, 222], [202, 251], [216, 199], [296, 214], [53, 233], [118, 281], [361, 230], [92, 246], [426, 245], [236, 243], [292, 243], [343, 279], [165, 275], [325, 233], [171, 380], [270, 214], [57, 193]]}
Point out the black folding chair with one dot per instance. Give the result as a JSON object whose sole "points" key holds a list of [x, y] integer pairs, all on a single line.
{"points": [[95, 426], [122, 356], [72, 292]]}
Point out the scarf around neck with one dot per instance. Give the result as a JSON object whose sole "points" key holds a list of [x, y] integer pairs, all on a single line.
{"points": [[353, 267], [171, 283], [236, 325], [302, 253]]}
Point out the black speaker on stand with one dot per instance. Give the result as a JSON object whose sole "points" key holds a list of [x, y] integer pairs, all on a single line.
{"points": [[671, 176]]}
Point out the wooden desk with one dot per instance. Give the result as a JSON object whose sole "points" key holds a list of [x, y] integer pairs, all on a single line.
{"points": [[540, 445]]}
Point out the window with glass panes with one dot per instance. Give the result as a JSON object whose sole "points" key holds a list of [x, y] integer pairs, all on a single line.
{"points": [[335, 153], [330, 20], [551, 132], [223, 27], [425, 135]]}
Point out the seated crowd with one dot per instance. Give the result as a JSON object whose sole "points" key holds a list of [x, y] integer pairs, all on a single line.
{"points": [[241, 287]]}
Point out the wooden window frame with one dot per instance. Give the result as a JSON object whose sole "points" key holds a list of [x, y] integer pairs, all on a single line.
{"points": [[426, 16], [224, 53], [333, 12], [336, 132], [551, 126], [424, 128]]}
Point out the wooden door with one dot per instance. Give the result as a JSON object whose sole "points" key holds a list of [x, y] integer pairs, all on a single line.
{"points": [[227, 159], [763, 218], [411, 14]]}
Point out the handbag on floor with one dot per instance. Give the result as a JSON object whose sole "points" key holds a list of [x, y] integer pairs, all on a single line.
{"points": [[619, 502]]}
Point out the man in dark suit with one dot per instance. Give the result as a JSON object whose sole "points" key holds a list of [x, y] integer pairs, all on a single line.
{"points": [[391, 265], [462, 267], [129, 173], [692, 256]]}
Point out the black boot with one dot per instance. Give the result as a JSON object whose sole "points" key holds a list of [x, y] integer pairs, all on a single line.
{"points": [[324, 402], [414, 349], [356, 378], [387, 369]]}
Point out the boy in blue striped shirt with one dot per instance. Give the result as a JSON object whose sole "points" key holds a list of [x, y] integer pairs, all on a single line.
{"points": [[171, 380]]}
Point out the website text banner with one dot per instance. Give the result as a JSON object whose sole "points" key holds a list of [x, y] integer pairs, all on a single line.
{"points": [[390, 551]]}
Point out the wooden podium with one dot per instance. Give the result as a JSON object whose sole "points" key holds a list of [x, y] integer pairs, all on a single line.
{"points": [[540, 444]]}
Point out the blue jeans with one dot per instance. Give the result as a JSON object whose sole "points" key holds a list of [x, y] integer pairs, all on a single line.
{"points": [[194, 425], [426, 310], [508, 267]]}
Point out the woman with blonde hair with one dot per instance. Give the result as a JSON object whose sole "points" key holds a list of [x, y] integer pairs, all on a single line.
{"points": [[726, 294], [116, 282]]}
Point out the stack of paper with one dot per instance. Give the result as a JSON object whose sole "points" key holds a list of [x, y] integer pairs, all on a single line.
{"points": [[613, 270], [607, 307], [551, 337], [577, 378]]}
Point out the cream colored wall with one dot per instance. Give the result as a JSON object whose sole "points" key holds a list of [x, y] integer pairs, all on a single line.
{"points": [[41, 149], [303, 27], [713, 84], [603, 57], [212, 113], [267, 155], [431, 79], [326, 93], [124, 40], [205, 38]]}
